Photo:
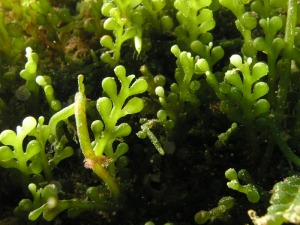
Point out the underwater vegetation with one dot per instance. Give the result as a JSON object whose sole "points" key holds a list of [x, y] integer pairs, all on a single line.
{"points": [[150, 112]]}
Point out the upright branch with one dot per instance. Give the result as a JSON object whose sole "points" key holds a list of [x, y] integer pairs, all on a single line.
{"points": [[91, 160], [289, 39]]}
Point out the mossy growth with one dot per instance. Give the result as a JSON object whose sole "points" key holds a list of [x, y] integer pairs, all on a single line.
{"points": [[129, 112]]}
